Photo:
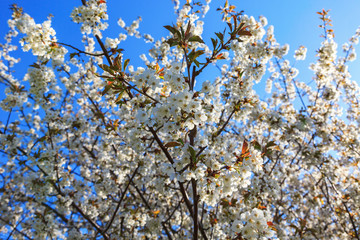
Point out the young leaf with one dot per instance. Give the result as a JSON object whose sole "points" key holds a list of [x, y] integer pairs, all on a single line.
{"points": [[187, 32], [197, 63], [171, 29], [172, 42], [35, 65], [196, 39], [193, 55], [106, 89], [192, 153], [172, 144], [72, 55], [117, 62], [220, 36], [214, 42], [126, 62], [106, 68]]}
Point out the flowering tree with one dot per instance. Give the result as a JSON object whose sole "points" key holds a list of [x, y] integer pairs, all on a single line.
{"points": [[103, 150]]}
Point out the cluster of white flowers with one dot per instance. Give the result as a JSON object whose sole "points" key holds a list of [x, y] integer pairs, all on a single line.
{"points": [[146, 152], [111, 43], [40, 38], [300, 53], [132, 30], [253, 225], [91, 17]]}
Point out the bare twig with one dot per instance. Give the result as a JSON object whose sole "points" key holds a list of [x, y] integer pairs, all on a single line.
{"points": [[80, 51]]}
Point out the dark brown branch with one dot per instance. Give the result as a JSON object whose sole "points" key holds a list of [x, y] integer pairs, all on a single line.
{"points": [[104, 50], [225, 124], [56, 212], [94, 224], [138, 90], [149, 207], [213, 56], [80, 51], [192, 136], [15, 228], [90, 152], [166, 230], [141, 195], [120, 201], [181, 185], [176, 208], [161, 145], [195, 200], [7, 121], [351, 220]]}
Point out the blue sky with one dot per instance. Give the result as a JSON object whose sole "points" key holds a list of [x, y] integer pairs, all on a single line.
{"points": [[295, 22]]}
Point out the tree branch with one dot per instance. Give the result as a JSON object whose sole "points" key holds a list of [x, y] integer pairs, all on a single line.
{"points": [[80, 51], [121, 199], [182, 189]]}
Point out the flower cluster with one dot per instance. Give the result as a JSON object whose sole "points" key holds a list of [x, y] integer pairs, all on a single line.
{"points": [[39, 38], [91, 16], [96, 148]]}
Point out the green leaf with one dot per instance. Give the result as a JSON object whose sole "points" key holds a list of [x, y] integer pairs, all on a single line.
{"points": [[270, 144], [180, 141], [35, 65], [119, 97], [188, 28], [220, 36], [117, 63], [106, 89], [172, 144], [193, 55], [230, 26], [115, 68], [256, 145], [126, 62], [196, 39], [214, 42], [172, 42], [45, 62], [197, 63], [182, 36], [171, 29], [192, 153], [72, 55], [243, 33], [106, 68], [174, 31], [42, 139]]}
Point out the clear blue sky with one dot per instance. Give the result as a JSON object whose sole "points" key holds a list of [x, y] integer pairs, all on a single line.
{"points": [[295, 22]]}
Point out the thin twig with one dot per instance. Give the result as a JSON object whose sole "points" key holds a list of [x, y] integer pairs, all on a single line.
{"points": [[80, 51], [225, 124], [121, 199], [17, 230], [7, 121], [94, 224]]}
